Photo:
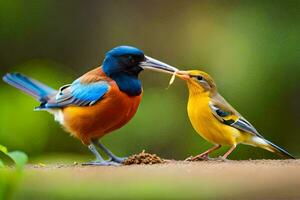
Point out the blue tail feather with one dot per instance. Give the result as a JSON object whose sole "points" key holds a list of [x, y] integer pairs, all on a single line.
{"points": [[34, 88]]}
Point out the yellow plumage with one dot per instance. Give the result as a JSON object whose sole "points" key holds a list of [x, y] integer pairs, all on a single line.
{"points": [[206, 124], [216, 120]]}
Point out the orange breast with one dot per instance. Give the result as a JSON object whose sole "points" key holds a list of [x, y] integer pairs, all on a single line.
{"points": [[113, 111]]}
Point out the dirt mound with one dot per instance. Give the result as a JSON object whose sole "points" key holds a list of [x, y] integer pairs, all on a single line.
{"points": [[143, 158]]}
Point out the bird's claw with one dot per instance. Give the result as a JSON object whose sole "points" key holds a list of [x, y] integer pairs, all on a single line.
{"points": [[101, 163], [118, 159], [204, 157], [221, 159]]}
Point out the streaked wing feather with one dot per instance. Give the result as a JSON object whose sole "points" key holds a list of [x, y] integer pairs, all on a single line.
{"points": [[244, 125], [226, 114]]}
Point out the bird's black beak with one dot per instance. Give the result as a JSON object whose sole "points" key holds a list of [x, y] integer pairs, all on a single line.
{"points": [[156, 65]]}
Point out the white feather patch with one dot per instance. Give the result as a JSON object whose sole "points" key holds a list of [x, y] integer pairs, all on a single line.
{"points": [[58, 115], [258, 140]]}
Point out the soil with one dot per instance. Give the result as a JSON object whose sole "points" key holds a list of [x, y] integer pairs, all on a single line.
{"points": [[144, 158], [213, 179]]}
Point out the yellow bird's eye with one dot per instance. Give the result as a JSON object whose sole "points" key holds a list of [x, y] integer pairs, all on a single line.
{"points": [[199, 78]]}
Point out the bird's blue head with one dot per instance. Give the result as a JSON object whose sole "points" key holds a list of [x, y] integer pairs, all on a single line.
{"points": [[123, 59], [124, 63]]}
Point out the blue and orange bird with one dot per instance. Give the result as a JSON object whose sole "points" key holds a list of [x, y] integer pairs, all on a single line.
{"points": [[100, 101], [217, 121]]}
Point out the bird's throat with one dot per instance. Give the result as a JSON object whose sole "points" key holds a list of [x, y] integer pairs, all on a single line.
{"points": [[129, 84]]}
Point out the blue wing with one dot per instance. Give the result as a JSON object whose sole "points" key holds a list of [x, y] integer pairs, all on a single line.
{"points": [[78, 94]]}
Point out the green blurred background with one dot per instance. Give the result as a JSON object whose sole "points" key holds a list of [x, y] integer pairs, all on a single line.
{"points": [[251, 48]]}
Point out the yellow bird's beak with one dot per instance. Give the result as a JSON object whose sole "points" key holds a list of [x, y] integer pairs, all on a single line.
{"points": [[184, 75], [181, 74]]}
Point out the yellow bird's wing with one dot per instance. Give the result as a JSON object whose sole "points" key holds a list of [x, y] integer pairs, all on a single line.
{"points": [[226, 114]]}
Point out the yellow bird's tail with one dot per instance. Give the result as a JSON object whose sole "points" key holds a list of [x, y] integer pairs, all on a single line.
{"points": [[269, 146]]}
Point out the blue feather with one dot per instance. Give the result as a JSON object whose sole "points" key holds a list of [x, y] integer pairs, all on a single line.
{"points": [[128, 84], [79, 94], [89, 92], [30, 86], [122, 65]]}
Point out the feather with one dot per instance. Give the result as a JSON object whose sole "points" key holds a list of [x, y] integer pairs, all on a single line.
{"points": [[230, 117], [34, 88], [79, 94]]}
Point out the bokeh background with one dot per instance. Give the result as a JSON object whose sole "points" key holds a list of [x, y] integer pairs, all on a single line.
{"points": [[251, 48]]}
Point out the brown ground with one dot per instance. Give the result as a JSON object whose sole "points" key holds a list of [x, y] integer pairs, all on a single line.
{"points": [[143, 158], [252, 179]]}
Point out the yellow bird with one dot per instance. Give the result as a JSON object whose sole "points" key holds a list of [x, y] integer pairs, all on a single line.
{"points": [[217, 121]]}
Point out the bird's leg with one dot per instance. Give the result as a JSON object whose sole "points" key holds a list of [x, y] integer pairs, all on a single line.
{"points": [[204, 155], [112, 156], [228, 152], [99, 160]]}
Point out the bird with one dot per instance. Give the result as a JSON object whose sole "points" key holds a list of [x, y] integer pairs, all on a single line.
{"points": [[97, 103], [217, 121]]}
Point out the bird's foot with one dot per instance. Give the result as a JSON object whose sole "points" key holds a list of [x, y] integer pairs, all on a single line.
{"points": [[200, 157], [221, 159], [118, 159], [101, 163]]}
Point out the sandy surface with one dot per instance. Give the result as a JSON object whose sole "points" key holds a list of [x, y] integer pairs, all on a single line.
{"points": [[253, 179]]}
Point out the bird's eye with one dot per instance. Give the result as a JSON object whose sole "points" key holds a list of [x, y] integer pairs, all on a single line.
{"points": [[199, 78], [131, 59]]}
